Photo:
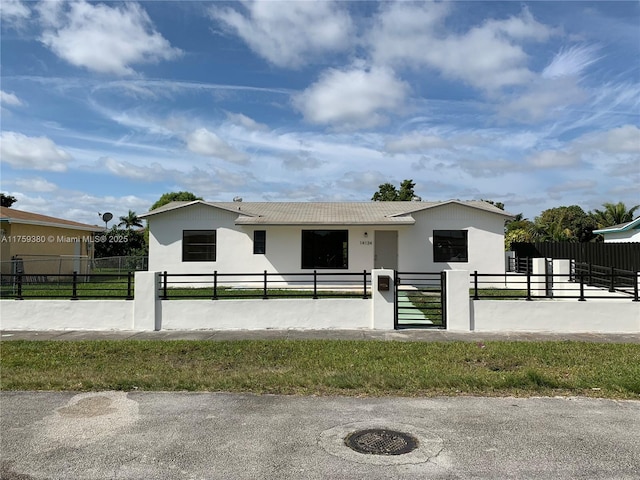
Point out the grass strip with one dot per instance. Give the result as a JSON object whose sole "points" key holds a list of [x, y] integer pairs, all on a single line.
{"points": [[326, 367]]}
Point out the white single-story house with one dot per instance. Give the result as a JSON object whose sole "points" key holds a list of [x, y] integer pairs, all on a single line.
{"points": [[625, 232], [300, 237]]}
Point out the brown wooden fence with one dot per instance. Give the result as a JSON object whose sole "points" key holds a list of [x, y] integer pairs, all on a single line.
{"points": [[624, 256]]}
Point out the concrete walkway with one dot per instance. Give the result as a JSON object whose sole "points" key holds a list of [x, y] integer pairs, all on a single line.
{"points": [[409, 335]]}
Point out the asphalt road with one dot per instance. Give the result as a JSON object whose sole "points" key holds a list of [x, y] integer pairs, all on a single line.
{"points": [[147, 435]]}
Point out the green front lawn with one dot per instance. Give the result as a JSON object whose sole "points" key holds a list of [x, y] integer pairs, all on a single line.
{"points": [[323, 367]]}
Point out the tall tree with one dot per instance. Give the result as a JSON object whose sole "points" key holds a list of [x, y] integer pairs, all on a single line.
{"points": [[387, 192], [7, 200], [130, 220], [562, 224], [175, 197], [613, 214]]}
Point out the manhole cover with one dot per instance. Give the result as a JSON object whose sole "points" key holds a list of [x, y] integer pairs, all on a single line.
{"points": [[377, 441]]}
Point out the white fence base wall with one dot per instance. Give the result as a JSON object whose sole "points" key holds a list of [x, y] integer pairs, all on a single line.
{"points": [[66, 314], [561, 316], [348, 313]]}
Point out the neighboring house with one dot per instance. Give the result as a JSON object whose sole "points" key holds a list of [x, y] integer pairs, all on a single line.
{"points": [[288, 237], [625, 232], [39, 244]]}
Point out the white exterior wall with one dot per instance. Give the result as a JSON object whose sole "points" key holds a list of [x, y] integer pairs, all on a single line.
{"points": [[234, 243], [485, 240], [622, 237]]}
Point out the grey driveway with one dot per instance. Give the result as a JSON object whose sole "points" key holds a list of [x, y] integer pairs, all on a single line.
{"points": [[145, 435]]}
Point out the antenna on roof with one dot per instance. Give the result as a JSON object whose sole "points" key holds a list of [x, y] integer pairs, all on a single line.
{"points": [[237, 199]]}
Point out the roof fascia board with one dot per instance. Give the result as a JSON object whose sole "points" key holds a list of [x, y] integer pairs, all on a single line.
{"points": [[88, 228], [195, 202], [320, 224], [625, 227], [457, 202]]}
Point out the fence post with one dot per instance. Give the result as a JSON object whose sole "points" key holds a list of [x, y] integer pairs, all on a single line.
{"points": [[264, 289], [528, 285], [74, 288], [147, 309], [215, 285], [612, 284], [635, 287], [364, 284], [129, 278], [164, 285], [457, 309], [475, 285], [383, 302], [315, 284], [582, 299], [19, 297]]}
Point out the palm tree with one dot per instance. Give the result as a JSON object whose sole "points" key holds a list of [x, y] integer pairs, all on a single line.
{"points": [[130, 220], [613, 214]]}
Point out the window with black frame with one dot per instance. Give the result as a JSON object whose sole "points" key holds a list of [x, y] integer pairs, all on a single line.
{"points": [[325, 248], [450, 246], [259, 242], [199, 246]]}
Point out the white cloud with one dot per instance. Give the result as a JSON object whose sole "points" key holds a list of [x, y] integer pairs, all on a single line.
{"points": [[303, 160], [289, 34], [488, 56], [9, 99], [572, 185], [621, 140], [33, 153], [36, 184], [102, 38], [352, 98], [554, 159], [151, 173], [204, 142], [414, 142], [246, 122], [14, 12], [543, 99], [571, 61]]}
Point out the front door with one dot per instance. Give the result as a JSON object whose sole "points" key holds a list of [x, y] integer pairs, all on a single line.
{"points": [[385, 249]]}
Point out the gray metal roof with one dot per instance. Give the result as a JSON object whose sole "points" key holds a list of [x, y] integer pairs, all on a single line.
{"points": [[326, 213]]}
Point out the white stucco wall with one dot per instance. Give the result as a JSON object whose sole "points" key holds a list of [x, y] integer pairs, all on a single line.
{"points": [[485, 240], [319, 314], [66, 314], [562, 316], [283, 243]]}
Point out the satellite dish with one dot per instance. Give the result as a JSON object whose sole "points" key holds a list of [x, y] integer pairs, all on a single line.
{"points": [[107, 216]]}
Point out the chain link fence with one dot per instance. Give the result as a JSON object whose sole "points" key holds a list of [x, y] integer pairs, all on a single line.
{"points": [[43, 265]]}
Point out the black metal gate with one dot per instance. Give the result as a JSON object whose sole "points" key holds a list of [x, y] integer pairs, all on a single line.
{"points": [[420, 300]]}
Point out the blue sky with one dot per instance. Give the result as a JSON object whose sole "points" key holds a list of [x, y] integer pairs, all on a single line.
{"points": [[106, 106]]}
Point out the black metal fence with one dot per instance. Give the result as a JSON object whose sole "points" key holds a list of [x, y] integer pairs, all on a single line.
{"points": [[580, 284], [624, 256], [74, 286], [215, 285]]}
